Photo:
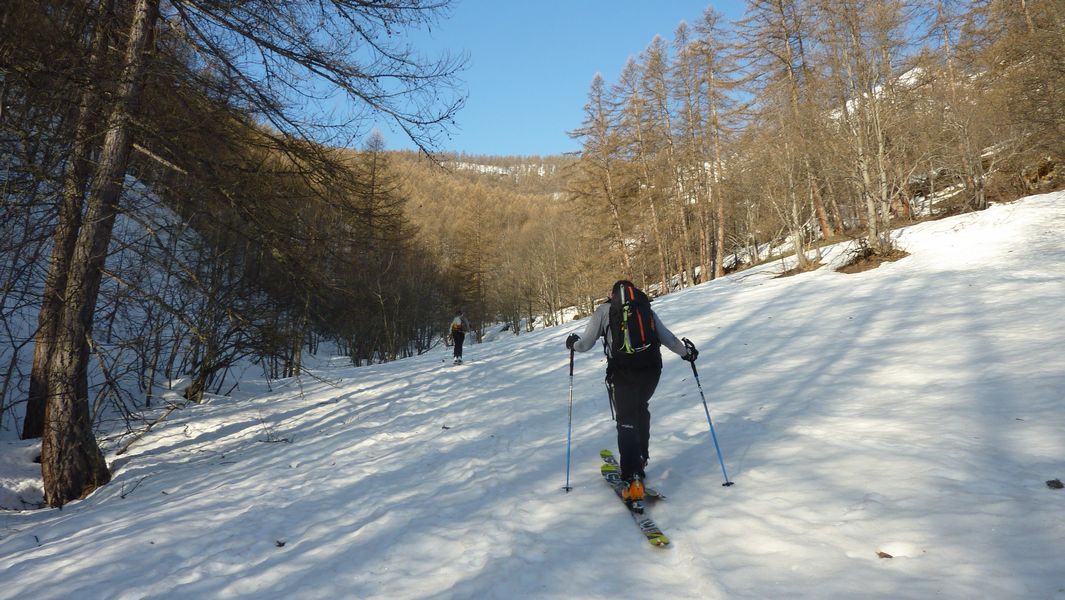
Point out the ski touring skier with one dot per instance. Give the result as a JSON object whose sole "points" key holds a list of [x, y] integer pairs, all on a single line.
{"points": [[459, 326], [632, 335]]}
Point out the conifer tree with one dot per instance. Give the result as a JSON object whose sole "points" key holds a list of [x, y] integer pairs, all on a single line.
{"points": [[634, 126], [599, 170]]}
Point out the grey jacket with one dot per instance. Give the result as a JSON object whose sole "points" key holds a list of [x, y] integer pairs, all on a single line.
{"points": [[599, 326]]}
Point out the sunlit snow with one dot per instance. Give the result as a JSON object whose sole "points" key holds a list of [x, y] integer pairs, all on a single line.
{"points": [[914, 411]]}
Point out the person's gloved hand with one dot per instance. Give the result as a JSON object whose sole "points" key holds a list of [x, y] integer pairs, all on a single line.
{"points": [[572, 339], [692, 352]]}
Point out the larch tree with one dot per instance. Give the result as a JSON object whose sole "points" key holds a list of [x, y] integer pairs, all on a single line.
{"points": [[660, 87], [634, 126], [599, 168], [864, 42], [775, 34], [713, 61], [72, 464], [64, 236]]}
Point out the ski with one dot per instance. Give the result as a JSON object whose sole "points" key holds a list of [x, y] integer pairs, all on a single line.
{"points": [[648, 527], [650, 492]]}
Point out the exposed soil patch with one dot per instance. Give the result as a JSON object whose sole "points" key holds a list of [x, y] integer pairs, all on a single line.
{"points": [[865, 259], [812, 266]]}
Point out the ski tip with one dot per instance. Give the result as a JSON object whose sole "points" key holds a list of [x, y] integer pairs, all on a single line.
{"points": [[605, 453], [658, 540]]}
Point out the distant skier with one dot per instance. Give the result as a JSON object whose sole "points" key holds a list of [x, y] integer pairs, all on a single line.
{"points": [[459, 327], [632, 335]]}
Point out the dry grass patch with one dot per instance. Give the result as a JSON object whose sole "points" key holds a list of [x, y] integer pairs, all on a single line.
{"points": [[796, 270], [865, 258]]}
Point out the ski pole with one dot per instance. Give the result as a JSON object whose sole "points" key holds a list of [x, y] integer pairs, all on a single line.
{"points": [[690, 346], [569, 427]]}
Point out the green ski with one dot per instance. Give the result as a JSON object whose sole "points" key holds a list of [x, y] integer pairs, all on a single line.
{"points": [[648, 527]]}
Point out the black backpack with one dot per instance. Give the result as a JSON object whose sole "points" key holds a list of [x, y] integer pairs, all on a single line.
{"points": [[633, 339]]}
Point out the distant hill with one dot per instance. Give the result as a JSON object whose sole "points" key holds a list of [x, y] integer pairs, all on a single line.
{"points": [[519, 174]]}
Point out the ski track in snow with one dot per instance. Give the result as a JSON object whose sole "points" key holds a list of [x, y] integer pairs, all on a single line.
{"points": [[914, 410]]}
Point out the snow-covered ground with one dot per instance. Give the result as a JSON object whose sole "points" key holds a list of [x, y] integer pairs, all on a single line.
{"points": [[915, 410]]}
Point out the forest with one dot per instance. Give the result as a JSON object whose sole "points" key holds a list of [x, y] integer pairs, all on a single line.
{"points": [[176, 202]]}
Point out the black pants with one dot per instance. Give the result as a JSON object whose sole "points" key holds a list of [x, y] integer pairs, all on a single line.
{"points": [[631, 392], [458, 337]]}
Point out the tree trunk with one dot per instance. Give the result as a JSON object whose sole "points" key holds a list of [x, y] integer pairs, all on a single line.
{"points": [[658, 245], [75, 180], [626, 263], [654, 215], [719, 234], [72, 464], [719, 250], [817, 201]]}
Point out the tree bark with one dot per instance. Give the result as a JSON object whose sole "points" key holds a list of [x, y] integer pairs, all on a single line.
{"points": [[72, 465], [68, 222]]}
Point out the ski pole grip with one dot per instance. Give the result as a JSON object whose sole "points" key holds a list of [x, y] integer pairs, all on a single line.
{"points": [[571, 351], [690, 346]]}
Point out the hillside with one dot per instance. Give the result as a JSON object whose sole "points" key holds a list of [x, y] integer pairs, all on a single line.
{"points": [[524, 175], [914, 410]]}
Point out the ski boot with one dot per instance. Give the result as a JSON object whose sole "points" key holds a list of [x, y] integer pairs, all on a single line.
{"points": [[633, 494]]}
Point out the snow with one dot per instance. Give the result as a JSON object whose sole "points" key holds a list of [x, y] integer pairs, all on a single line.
{"points": [[539, 170], [915, 410]]}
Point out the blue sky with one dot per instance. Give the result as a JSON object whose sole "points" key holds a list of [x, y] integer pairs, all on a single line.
{"points": [[531, 64]]}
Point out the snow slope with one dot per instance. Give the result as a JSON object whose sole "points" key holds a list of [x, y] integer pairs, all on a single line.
{"points": [[915, 410]]}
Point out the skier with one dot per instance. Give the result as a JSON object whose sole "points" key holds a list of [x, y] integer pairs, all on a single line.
{"points": [[459, 327], [632, 334]]}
